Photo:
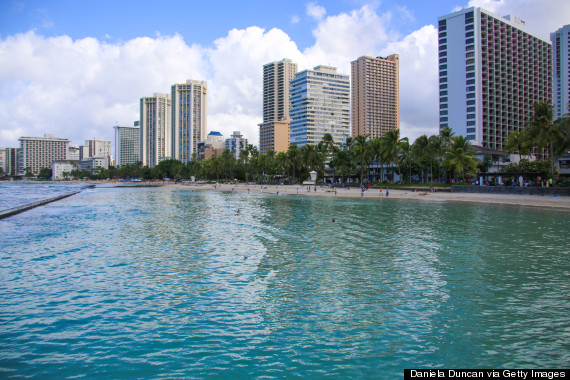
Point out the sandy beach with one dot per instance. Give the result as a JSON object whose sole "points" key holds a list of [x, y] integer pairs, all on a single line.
{"points": [[423, 196]]}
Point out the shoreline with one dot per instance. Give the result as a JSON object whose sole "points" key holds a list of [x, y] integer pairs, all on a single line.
{"points": [[546, 202]]}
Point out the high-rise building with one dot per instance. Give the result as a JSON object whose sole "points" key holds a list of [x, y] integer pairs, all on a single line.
{"points": [[39, 152], [97, 148], [155, 129], [320, 103], [561, 71], [9, 160], [127, 145], [375, 95], [274, 136], [274, 131], [491, 72], [189, 115], [276, 81], [236, 143]]}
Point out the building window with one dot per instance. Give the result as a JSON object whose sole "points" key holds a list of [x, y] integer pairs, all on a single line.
{"points": [[470, 130], [470, 81], [471, 123], [443, 54], [471, 116], [443, 118], [470, 102], [443, 112], [442, 86], [443, 105], [469, 34], [470, 109], [469, 27], [470, 137]]}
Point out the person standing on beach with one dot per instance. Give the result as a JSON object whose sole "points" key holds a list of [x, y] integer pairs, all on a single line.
{"points": [[387, 192]]}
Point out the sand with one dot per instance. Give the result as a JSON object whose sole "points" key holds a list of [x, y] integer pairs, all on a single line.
{"points": [[550, 202]]}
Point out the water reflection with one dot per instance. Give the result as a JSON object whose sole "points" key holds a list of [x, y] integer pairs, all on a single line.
{"points": [[176, 283]]}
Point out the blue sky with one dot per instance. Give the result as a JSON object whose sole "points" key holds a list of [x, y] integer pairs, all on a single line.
{"points": [[76, 68], [199, 22]]}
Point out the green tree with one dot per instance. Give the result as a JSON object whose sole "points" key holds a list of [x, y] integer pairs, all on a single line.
{"points": [[545, 131], [45, 173], [518, 142], [460, 156], [361, 150]]}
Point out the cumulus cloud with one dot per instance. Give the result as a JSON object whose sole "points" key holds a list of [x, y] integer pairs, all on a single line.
{"points": [[342, 38], [316, 11], [79, 89]]}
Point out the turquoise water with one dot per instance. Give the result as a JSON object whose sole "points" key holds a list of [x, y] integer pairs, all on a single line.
{"points": [[163, 283]]}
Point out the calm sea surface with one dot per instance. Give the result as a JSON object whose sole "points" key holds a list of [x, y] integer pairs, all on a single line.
{"points": [[164, 283]]}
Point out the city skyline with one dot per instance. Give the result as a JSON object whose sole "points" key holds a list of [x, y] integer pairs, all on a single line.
{"points": [[76, 82]]}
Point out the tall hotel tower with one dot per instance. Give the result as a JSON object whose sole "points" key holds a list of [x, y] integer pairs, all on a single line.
{"points": [[127, 145], [40, 152], [561, 70], [155, 129], [189, 115], [274, 131], [375, 96], [320, 103], [491, 72]]}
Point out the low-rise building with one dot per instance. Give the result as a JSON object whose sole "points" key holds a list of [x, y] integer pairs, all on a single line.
{"points": [[61, 169]]}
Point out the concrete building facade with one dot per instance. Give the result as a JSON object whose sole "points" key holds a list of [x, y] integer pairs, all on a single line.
{"points": [[155, 129], [274, 131], [320, 103], [61, 169], [491, 72], [189, 118], [9, 160], [39, 152], [561, 71], [97, 148], [274, 135], [127, 145], [375, 95], [236, 143], [276, 89]]}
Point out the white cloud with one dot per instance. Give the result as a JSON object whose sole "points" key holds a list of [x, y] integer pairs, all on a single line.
{"points": [[342, 38], [316, 11], [294, 20], [78, 89]]}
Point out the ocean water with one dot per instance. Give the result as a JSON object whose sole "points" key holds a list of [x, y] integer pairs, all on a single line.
{"points": [[165, 283]]}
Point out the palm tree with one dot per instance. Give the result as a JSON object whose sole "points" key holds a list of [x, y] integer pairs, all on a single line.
{"points": [[295, 158], [419, 148], [460, 156], [361, 150], [377, 150], [544, 130], [392, 145], [329, 149], [405, 157], [518, 142]]}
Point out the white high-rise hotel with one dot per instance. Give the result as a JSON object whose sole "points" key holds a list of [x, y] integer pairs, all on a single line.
{"points": [[155, 129], [189, 111], [127, 145], [320, 103], [491, 72], [561, 70]]}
